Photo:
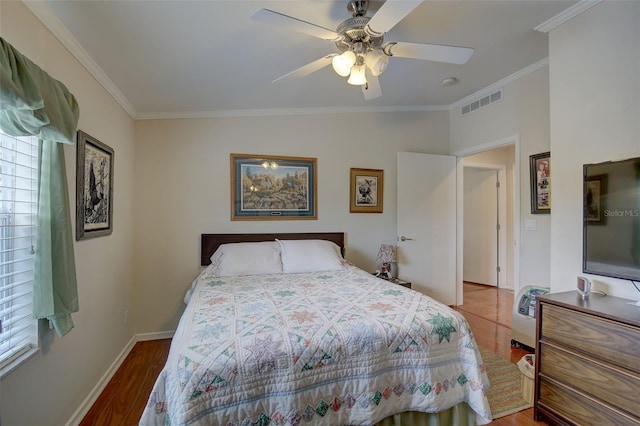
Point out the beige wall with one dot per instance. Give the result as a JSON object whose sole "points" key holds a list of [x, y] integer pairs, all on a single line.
{"points": [[49, 387], [182, 188], [595, 116], [523, 112]]}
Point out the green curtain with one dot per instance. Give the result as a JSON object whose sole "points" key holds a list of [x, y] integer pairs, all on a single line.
{"points": [[33, 103]]}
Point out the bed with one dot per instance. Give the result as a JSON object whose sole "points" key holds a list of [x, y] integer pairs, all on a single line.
{"points": [[279, 329]]}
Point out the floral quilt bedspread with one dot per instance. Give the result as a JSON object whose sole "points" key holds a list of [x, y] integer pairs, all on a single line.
{"points": [[323, 348]]}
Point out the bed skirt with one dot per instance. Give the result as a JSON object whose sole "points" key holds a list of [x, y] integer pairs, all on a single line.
{"points": [[458, 415]]}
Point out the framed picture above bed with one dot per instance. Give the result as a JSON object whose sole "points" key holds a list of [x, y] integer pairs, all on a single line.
{"points": [[94, 188], [267, 187], [366, 190]]}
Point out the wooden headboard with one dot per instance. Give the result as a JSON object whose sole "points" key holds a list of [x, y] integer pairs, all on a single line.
{"points": [[210, 242]]}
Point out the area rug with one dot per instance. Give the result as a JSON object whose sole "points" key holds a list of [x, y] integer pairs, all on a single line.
{"points": [[505, 393]]}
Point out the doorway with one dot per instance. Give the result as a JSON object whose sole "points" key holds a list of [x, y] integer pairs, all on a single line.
{"points": [[497, 250], [483, 247]]}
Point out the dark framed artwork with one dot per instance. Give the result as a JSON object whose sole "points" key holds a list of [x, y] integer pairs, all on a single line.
{"points": [[267, 187], [94, 187], [540, 168], [595, 189], [366, 190]]}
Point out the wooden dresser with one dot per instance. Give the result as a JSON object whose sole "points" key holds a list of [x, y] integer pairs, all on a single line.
{"points": [[587, 360]]}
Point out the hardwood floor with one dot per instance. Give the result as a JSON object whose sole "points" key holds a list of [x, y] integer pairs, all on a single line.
{"points": [[487, 309], [121, 403]]}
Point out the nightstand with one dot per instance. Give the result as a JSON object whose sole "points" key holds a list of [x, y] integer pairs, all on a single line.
{"points": [[398, 281]]}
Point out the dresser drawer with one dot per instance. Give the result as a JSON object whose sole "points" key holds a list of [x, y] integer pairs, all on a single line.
{"points": [[580, 410], [614, 342], [615, 386]]}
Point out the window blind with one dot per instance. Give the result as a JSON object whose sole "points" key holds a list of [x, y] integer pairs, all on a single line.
{"points": [[18, 211]]}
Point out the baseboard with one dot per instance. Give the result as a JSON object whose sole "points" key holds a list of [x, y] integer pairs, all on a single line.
{"points": [[88, 402], [154, 336]]}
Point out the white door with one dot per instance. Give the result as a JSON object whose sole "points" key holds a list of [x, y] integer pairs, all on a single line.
{"points": [[427, 224], [480, 259]]}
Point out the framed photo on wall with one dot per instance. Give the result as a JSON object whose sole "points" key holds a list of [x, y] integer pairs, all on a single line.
{"points": [[366, 190], [94, 187], [267, 187], [540, 169]]}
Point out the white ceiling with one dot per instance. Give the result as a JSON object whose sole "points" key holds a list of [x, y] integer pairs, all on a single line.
{"points": [[172, 58]]}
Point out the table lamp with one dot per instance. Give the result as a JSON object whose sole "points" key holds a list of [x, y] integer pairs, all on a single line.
{"points": [[387, 259]]}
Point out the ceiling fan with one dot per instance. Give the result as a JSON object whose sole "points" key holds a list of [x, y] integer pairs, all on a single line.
{"points": [[360, 39]]}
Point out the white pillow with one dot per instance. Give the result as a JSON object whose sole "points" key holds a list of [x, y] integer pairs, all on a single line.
{"points": [[247, 259], [310, 256]]}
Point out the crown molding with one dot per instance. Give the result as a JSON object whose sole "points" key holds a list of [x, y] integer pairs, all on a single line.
{"points": [[270, 112], [57, 28], [500, 83], [568, 14]]}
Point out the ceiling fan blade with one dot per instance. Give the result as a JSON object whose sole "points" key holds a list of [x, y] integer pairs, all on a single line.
{"points": [[371, 89], [429, 52], [390, 13], [309, 68], [294, 24]]}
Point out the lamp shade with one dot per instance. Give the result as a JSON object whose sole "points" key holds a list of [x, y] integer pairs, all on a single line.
{"points": [[376, 61], [357, 77], [342, 63], [387, 254]]}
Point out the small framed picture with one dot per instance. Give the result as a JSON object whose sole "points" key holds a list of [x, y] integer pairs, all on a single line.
{"points": [[540, 168], [94, 188], [366, 190]]}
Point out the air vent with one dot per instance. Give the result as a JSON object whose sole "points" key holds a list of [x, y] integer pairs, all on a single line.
{"points": [[482, 102]]}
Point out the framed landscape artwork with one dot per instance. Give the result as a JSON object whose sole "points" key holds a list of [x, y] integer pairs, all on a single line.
{"points": [[366, 190], [94, 188], [266, 187], [540, 169]]}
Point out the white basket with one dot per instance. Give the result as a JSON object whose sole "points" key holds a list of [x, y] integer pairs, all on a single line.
{"points": [[527, 368]]}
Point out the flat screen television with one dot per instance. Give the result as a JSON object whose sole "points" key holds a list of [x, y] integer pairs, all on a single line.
{"points": [[611, 237]]}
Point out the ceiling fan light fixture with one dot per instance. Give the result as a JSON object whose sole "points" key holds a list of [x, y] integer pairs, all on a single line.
{"points": [[376, 61], [342, 63], [357, 76], [362, 54]]}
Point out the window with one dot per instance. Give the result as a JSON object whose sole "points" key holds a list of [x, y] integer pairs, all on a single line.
{"points": [[18, 212]]}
